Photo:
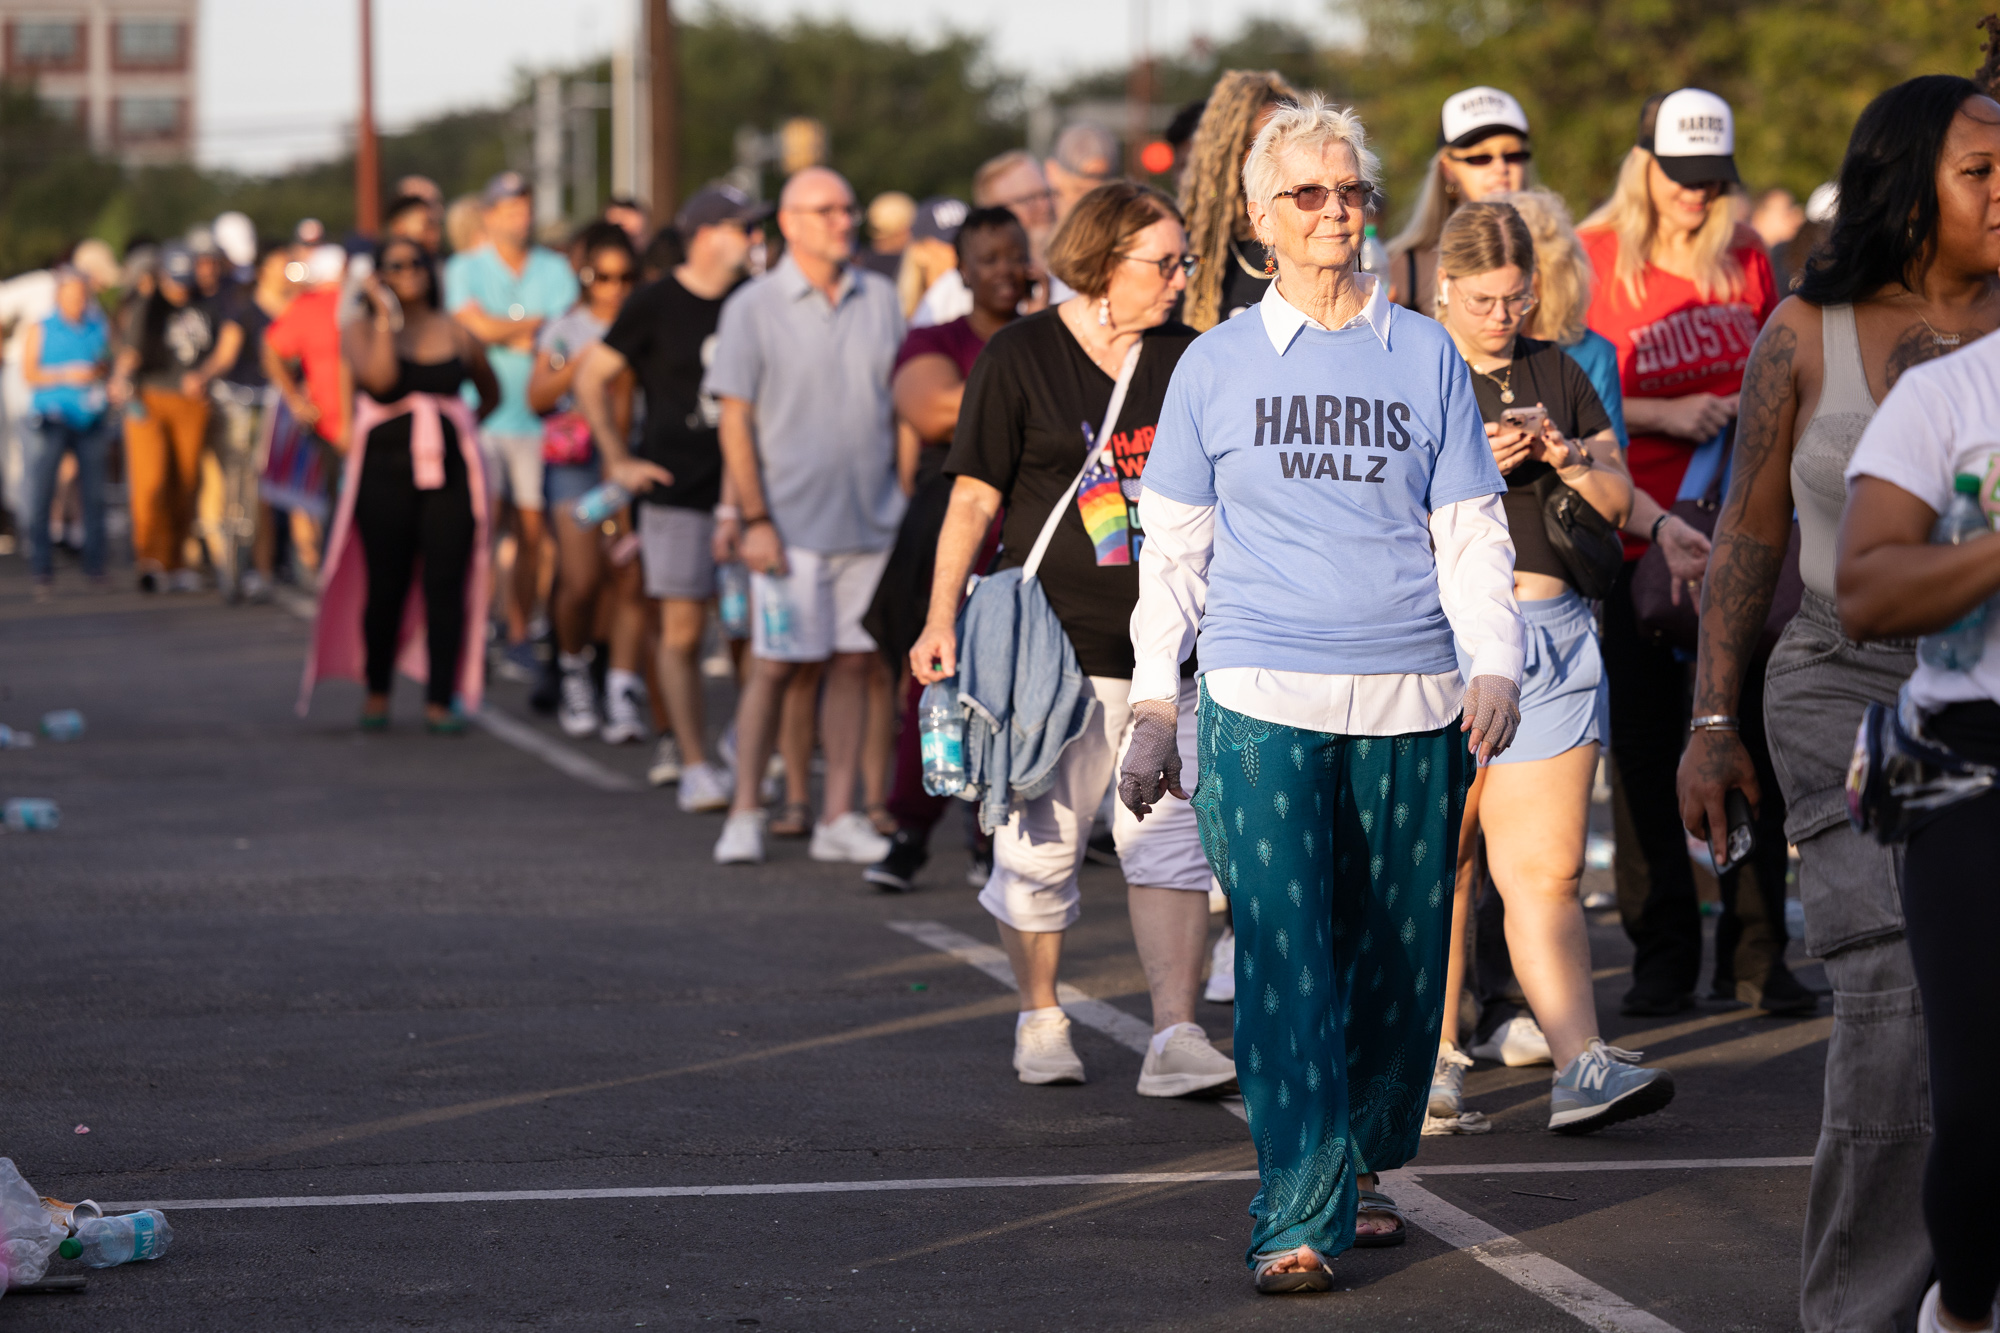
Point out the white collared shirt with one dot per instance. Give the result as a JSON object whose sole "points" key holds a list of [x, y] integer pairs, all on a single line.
{"points": [[1475, 571]]}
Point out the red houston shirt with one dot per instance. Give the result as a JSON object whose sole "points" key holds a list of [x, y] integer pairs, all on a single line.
{"points": [[1673, 343]]}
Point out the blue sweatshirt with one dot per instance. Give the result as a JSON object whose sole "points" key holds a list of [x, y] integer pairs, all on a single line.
{"points": [[1324, 465]]}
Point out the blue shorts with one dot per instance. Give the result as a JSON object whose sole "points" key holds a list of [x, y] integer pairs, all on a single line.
{"points": [[566, 483], [1563, 689]]}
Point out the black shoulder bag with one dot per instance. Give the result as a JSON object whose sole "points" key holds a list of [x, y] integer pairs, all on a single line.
{"points": [[1584, 541]]}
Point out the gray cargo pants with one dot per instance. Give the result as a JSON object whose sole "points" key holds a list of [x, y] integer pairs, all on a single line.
{"points": [[1866, 1256]]}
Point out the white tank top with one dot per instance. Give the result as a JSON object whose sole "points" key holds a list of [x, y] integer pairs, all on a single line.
{"points": [[1820, 457]]}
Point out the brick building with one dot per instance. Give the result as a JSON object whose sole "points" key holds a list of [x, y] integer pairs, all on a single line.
{"points": [[122, 69]]}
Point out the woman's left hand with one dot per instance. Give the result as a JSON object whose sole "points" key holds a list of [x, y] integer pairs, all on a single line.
{"points": [[1492, 715]]}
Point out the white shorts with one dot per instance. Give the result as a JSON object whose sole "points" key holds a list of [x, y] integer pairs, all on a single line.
{"points": [[814, 611], [513, 468], [677, 549], [1036, 856]]}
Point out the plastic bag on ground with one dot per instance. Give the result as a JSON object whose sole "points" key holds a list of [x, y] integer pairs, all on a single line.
{"points": [[28, 1235]]}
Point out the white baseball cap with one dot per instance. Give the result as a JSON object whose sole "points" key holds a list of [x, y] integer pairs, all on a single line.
{"points": [[1693, 135], [1479, 113]]}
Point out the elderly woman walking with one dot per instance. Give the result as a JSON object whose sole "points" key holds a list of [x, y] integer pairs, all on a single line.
{"points": [[1322, 510]]}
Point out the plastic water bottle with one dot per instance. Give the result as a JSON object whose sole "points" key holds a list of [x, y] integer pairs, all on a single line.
{"points": [[1374, 255], [732, 599], [1959, 646], [601, 502], [941, 729], [64, 724], [776, 614], [106, 1242], [11, 739], [33, 814]]}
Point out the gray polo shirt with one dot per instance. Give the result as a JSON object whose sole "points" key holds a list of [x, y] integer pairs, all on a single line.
{"points": [[818, 375]]}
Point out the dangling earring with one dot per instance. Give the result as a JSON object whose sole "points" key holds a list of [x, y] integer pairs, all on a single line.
{"points": [[1270, 264], [1103, 312]]}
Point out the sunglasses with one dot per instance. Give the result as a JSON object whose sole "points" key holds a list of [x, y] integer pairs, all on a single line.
{"points": [[1166, 264], [1520, 157], [625, 279], [1312, 198]]}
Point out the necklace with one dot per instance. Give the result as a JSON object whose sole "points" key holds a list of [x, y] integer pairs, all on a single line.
{"points": [[1505, 385], [1941, 339]]}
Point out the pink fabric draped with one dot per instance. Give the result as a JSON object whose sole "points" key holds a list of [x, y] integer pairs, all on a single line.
{"points": [[339, 651]]}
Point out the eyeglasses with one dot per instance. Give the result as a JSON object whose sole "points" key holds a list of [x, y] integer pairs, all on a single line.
{"points": [[402, 266], [1520, 157], [1166, 264], [1312, 198], [625, 279], [1023, 200], [1481, 306], [828, 211]]}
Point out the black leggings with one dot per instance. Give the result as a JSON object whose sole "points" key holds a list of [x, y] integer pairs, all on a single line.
{"points": [[399, 524], [1952, 911]]}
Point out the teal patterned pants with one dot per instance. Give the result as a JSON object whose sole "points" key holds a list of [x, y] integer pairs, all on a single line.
{"points": [[1338, 853]]}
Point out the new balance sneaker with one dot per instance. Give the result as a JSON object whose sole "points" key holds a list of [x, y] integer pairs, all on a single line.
{"points": [[897, 872], [665, 770], [1602, 1087], [1222, 971], [624, 700], [742, 840], [705, 789], [576, 707], [1448, 1082], [1518, 1041], [1042, 1053], [1185, 1064], [850, 838]]}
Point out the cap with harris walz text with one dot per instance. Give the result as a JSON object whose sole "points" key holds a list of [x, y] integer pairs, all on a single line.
{"points": [[1692, 135], [1479, 113]]}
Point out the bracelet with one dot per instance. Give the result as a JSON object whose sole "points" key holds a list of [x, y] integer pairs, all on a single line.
{"points": [[753, 522], [1714, 722], [728, 514], [1654, 534]]}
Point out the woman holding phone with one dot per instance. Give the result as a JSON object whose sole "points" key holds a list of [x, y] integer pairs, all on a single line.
{"points": [[1546, 427]]}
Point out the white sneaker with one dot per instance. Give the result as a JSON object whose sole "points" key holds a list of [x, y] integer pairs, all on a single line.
{"points": [[1222, 971], [576, 708], [706, 788], [624, 694], [666, 766], [1185, 1064], [1042, 1053], [742, 840], [1516, 1042], [1448, 1082], [184, 580], [1927, 1313], [849, 838]]}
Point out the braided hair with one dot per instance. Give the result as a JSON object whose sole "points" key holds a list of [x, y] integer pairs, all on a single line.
{"points": [[1212, 185]]}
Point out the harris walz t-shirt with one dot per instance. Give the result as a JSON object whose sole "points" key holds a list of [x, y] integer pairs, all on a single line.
{"points": [[1033, 398], [1541, 373], [667, 335]]}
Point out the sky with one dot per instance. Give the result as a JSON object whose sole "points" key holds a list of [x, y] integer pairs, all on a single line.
{"points": [[277, 89]]}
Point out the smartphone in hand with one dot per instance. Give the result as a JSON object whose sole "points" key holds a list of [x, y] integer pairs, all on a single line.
{"points": [[1529, 419], [1742, 836]]}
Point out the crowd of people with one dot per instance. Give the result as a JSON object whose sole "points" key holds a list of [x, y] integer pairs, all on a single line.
{"points": [[1283, 572]]}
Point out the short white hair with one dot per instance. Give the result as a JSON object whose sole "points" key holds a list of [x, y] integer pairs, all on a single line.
{"points": [[1311, 123]]}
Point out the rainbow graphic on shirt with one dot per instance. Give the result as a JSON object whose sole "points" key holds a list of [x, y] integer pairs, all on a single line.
{"points": [[1101, 501]]}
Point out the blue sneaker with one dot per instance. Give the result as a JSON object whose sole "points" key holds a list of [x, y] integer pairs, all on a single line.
{"points": [[1600, 1087]]}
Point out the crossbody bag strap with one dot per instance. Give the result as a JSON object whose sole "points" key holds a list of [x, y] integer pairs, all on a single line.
{"points": [[1102, 441]]}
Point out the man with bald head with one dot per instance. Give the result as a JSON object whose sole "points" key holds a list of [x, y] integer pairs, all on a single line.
{"points": [[801, 370]]}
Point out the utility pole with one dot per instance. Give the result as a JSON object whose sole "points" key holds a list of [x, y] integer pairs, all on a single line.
{"points": [[1139, 87], [548, 149], [367, 173], [663, 89]]}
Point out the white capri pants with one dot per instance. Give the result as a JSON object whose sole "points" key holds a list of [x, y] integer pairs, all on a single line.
{"points": [[1037, 854]]}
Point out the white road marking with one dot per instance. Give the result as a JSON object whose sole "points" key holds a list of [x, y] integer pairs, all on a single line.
{"points": [[1528, 1269], [1564, 1288], [498, 724], [941, 1183]]}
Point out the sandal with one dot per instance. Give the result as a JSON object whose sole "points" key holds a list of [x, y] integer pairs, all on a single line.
{"points": [[1374, 1201], [1271, 1283], [793, 820], [451, 724], [884, 822]]}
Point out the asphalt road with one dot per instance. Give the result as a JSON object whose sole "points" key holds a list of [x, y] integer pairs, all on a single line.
{"points": [[270, 958]]}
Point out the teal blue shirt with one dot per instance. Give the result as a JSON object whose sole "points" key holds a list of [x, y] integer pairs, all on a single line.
{"points": [[544, 287]]}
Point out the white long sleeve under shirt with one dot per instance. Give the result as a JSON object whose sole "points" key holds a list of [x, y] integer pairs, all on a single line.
{"points": [[1475, 572]]}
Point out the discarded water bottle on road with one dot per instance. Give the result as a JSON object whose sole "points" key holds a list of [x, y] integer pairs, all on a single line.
{"points": [[1959, 645], [941, 729], [601, 502], [106, 1242], [32, 814], [732, 599], [11, 739], [1374, 255], [64, 724]]}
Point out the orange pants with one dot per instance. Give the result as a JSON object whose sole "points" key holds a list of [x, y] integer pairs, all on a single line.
{"points": [[163, 473]]}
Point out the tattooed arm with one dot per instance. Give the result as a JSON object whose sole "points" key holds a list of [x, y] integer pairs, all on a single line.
{"points": [[1751, 534]]}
